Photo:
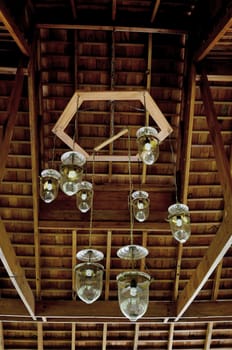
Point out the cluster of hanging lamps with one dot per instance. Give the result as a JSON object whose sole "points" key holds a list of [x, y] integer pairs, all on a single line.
{"points": [[68, 179]]}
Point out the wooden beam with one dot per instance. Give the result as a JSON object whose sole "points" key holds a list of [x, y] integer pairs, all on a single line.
{"points": [[15, 271], [74, 10], [112, 28], [170, 336], [33, 112], [12, 111], [136, 336], [108, 311], [107, 267], [2, 346], [223, 239], [155, 10], [216, 138], [217, 249], [114, 9], [40, 336], [73, 345], [13, 29], [214, 36], [208, 337], [104, 337]]}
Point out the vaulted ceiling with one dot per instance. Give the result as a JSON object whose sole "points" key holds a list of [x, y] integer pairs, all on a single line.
{"points": [[180, 52]]}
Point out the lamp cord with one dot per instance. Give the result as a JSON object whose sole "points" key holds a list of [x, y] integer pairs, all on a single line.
{"points": [[91, 207], [174, 168], [131, 188]]}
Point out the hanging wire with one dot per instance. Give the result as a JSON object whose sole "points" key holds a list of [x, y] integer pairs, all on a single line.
{"points": [[53, 151], [76, 122], [131, 188], [174, 168], [91, 207]]}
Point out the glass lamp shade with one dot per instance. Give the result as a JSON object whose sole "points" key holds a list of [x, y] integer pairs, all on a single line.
{"points": [[84, 196], [71, 171], [133, 293], [49, 185], [140, 205], [89, 276], [148, 144], [179, 221]]}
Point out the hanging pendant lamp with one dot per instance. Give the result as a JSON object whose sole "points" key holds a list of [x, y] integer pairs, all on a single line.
{"points": [[179, 220], [148, 144], [140, 205], [133, 285], [49, 185], [71, 171], [89, 275]]}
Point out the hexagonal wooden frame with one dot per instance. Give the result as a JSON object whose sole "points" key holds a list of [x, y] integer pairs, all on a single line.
{"points": [[80, 96]]}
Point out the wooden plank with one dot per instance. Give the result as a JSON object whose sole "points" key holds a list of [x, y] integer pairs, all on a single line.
{"points": [[108, 311], [110, 140], [2, 346], [12, 111], [98, 226], [155, 10], [15, 271], [112, 28], [13, 29], [208, 336], [171, 336], [104, 337], [107, 267], [114, 9], [40, 336], [74, 261], [73, 345], [136, 337]]}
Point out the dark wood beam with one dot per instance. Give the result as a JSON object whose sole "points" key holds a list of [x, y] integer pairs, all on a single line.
{"points": [[215, 35], [223, 238], [15, 271], [13, 29], [109, 311]]}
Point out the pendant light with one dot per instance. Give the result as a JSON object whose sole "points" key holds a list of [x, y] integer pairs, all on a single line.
{"points": [[49, 185], [148, 144], [140, 205], [179, 220], [133, 285], [71, 170], [84, 196], [178, 213], [89, 274]]}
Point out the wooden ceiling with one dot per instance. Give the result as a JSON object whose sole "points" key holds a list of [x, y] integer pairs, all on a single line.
{"points": [[181, 53]]}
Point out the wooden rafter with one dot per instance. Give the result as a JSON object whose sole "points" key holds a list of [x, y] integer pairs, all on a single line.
{"points": [[35, 168], [13, 29], [15, 271], [109, 311], [215, 35], [12, 110], [155, 10], [223, 238], [2, 347]]}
